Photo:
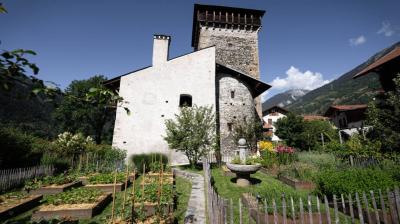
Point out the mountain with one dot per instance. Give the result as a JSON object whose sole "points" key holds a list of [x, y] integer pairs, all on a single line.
{"points": [[344, 90], [285, 98]]}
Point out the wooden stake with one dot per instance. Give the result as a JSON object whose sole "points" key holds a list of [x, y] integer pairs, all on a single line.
{"points": [[133, 196], [126, 186], [113, 202]]}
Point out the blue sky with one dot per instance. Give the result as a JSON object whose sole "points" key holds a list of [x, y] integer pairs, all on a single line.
{"points": [[303, 43]]}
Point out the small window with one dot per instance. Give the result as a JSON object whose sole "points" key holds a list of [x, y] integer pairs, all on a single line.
{"points": [[232, 94], [185, 100], [230, 126]]}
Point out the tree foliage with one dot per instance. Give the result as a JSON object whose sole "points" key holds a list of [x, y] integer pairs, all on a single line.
{"points": [[304, 135], [86, 108], [383, 114], [192, 132], [251, 130]]}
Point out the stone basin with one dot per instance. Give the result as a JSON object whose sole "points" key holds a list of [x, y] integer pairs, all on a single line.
{"points": [[243, 172]]}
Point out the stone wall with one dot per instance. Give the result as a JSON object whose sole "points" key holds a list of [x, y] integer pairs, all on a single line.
{"points": [[232, 110], [235, 48]]}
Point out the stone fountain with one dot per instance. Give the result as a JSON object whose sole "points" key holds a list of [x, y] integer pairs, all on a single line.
{"points": [[242, 170]]}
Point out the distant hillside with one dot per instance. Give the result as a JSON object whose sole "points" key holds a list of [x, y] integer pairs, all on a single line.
{"points": [[344, 90], [32, 114], [285, 98]]}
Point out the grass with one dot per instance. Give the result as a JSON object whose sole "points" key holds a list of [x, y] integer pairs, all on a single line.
{"points": [[197, 169], [183, 189]]}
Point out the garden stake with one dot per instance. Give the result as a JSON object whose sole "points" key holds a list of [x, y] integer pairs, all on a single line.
{"points": [[126, 186], [133, 196], [113, 202]]}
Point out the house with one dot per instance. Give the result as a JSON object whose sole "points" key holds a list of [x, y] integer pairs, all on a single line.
{"points": [[270, 116], [222, 72], [387, 67], [347, 116]]}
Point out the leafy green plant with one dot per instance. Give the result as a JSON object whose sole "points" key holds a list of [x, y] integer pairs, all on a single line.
{"points": [[151, 193], [299, 171], [49, 180], [106, 178], [74, 196], [353, 180]]}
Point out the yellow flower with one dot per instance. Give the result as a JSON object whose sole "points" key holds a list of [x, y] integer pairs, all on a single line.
{"points": [[266, 145]]}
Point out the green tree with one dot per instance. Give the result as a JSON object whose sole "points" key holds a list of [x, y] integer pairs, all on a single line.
{"points": [[192, 132], [312, 134], [250, 130], [383, 114], [290, 129], [87, 108]]}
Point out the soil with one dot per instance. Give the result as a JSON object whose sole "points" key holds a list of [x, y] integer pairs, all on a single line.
{"points": [[11, 202], [71, 206]]}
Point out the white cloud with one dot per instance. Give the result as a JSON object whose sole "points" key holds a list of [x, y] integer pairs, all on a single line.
{"points": [[357, 41], [264, 96], [386, 29], [296, 79]]}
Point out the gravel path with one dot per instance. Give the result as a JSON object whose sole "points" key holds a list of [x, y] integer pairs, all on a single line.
{"points": [[196, 210]]}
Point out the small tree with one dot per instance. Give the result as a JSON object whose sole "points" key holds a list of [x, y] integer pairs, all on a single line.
{"points": [[250, 130], [192, 132], [290, 129]]}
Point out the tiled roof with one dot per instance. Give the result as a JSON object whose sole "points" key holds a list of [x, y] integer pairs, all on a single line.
{"points": [[314, 117], [384, 59], [349, 107]]}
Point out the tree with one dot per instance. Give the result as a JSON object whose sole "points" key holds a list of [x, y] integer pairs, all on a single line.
{"points": [[192, 132], [289, 129], [383, 114], [312, 134], [87, 107], [250, 130]]}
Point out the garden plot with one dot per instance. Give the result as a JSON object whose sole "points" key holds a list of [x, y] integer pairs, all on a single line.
{"points": [[51, 184], [105, 182], [79, 203], [14, 203]]}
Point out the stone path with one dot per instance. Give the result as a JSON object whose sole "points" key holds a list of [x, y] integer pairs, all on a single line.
{"points": [[196, 210]]}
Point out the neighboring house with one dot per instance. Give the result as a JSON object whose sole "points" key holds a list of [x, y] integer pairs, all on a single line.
{"points": [[347, 116], [270, 116], [222, 72], [387, 67]]}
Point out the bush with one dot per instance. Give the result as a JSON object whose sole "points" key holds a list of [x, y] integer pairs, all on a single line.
{"points": [[299, 171], [349, 181], [16, 149], [319, 160], [139, 159]]}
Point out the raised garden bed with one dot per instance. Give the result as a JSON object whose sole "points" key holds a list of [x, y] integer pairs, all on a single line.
{"points": [[166, 174], [109, 188], [264, 218], [151, 208], [55, 189], [73, 205], [297, 184], [15, 205]]}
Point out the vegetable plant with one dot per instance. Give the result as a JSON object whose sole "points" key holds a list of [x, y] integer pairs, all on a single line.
{"points": [[74, 196], [106, 178], [48, 180]]}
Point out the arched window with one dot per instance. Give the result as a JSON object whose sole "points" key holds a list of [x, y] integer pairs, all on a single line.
{"points": [[185, 100]]}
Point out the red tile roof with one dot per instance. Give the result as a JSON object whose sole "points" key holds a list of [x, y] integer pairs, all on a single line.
{"points": [[384, 59], [332, 108]]}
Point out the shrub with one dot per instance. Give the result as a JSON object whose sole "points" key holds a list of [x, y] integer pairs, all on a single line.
{"points": [[318, 160], [349, 181], [16, 149], [299, 171], [139, 159]]}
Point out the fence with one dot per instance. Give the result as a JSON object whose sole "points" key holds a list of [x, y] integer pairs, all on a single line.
{"points": [[12, 178], [370, 207]]}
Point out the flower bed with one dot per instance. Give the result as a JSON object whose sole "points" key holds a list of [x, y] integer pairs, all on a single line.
{"points": [[51, 184], [79, 203], [15, 203]]}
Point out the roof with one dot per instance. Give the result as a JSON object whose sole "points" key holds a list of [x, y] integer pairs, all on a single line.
{"points": [[223, 19], [395, 53], [257, 86], [333, 108], [314, 118], [281, 109]]}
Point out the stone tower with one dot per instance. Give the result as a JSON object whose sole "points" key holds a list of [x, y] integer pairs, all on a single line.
{"points": [[234, 33]]}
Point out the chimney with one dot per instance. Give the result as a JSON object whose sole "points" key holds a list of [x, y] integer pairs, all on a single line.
{"points": [[160, 49]]}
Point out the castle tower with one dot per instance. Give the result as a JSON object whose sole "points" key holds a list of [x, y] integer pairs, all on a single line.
{"points": [[234, 33]]}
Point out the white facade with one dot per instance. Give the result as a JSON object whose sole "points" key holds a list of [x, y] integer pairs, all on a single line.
{"points": [[271, 118], [153, 94]]}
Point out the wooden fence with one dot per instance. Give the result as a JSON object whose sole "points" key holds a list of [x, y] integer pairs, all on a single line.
{"points": [[12, 178], [365, 207]]}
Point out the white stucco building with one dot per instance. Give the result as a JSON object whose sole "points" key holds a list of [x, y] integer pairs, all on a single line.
{"points": [[270, 116], [154, 94]]}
